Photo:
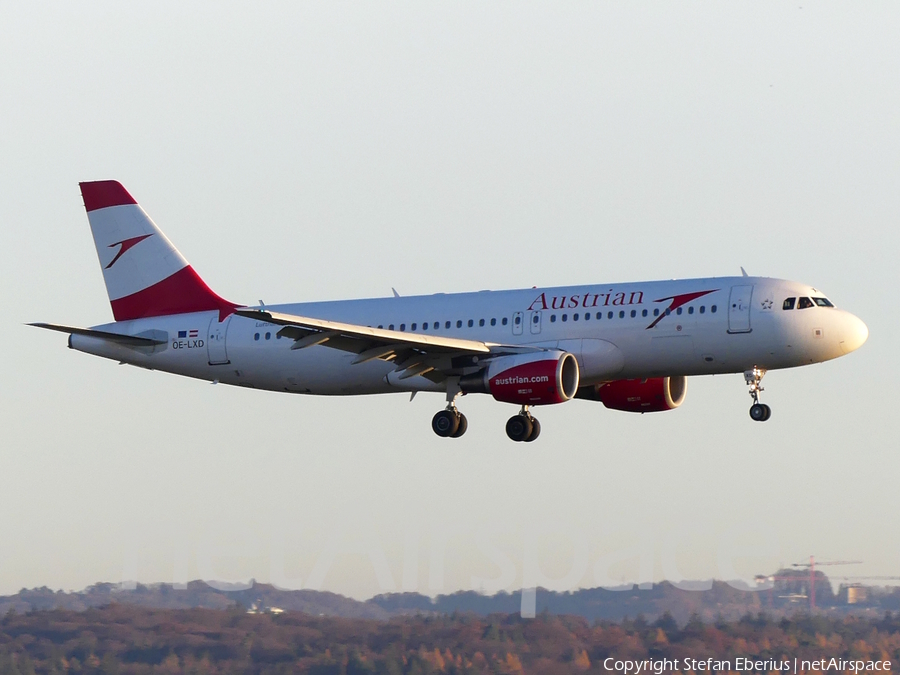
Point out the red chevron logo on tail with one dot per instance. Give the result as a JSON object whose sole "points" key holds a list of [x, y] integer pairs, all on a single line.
{"points": [[126, 244]]}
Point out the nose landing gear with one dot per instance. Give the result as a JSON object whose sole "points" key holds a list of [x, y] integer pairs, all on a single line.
{"points": [[523, 427], [759, 412]]}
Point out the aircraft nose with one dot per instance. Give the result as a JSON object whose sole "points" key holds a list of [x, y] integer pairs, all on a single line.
{"points": [[855, 333]]}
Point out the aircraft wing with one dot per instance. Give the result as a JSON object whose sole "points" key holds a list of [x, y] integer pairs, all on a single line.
{"points": [[431, 356]]}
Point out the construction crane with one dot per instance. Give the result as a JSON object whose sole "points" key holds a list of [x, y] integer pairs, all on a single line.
{"points": [[811, 565]]}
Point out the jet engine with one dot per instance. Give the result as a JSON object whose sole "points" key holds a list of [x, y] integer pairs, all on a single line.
{"points": [[539, 378], [653, 395]]}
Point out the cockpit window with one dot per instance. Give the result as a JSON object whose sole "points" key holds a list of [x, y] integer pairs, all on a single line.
{"points": [[789, 303], [823, 302], [805, 303]]}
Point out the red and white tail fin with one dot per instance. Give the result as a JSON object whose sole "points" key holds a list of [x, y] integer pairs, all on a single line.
{"points": [[145, 274]]}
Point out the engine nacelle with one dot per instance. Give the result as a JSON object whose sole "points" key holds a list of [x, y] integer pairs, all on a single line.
{"points": [[653, 395], [539, 378]]}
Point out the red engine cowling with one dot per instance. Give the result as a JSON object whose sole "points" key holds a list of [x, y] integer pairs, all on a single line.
{"points": [[541, 378], [652, 395]]}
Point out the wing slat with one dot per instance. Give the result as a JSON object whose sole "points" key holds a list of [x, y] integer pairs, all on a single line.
{"points": [[358, 339]]}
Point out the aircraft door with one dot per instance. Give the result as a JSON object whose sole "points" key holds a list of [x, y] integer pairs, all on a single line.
{"points": [[215, 341], [739, 309], [534, 320], [517, 321]]}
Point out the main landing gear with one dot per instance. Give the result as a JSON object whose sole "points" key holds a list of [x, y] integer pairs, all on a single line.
{"points": [[523, 427], [759, 412], [450, 423]]}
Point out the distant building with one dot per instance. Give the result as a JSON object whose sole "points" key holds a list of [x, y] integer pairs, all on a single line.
{"points": [[856, 594], [259, 608]]}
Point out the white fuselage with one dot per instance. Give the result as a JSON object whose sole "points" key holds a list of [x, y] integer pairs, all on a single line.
{"points": [[616, 331]]}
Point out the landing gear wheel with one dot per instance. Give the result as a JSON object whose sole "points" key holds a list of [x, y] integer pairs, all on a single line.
{"points": [[446, 423], [535, 430], [519, 427], [760, 412], [463, 425]]}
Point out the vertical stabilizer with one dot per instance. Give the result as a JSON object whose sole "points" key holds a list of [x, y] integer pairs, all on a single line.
{"points": [[145, 274]]}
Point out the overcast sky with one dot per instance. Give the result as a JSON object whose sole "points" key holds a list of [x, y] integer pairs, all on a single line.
{"points": [[301, 151]]}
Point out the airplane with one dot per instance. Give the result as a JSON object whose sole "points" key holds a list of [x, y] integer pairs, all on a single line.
{"points": [[629, 346]]}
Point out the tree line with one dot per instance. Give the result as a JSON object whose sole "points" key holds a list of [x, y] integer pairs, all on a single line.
{"points": [[125, 640]]}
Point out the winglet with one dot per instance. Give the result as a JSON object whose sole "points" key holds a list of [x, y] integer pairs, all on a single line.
{"points": [[743, 272]]}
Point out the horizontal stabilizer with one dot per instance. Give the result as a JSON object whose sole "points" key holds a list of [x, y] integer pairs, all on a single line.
{"points": [[128, 340]]}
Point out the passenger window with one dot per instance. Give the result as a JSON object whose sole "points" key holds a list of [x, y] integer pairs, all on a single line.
{"points": [[480, 322], [575, 316], [823, 302], [553, 318], [690, 310], [599, 315], [268, 336], [703, 309], [565, 317], [402, 326], [609, 315], [391, 327], [493, 322], [256, 336], [805, 303], [504, 321], [587, 316], [678, 311], [471, 323], [459, 323], [789, 303], [424, 326], [644, 313], [656, 312], [413, 327], [447, 324], [713, 309], [633, 313], [622, 314], [381, 325]]}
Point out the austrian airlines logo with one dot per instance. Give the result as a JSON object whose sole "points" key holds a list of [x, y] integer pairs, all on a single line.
{"points": [[126, 244], [678, 301]]}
